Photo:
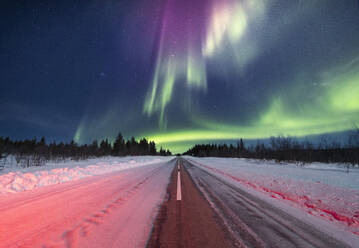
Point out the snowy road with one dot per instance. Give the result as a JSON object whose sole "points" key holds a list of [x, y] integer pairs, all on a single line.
{"points": [[119, 209], [254, 222], [111, 210]]}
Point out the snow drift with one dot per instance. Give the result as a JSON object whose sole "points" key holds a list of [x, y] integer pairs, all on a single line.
{"points": [[17, 180]]}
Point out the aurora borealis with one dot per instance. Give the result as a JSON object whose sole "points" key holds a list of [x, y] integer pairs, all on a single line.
{"points": [[179, 72]]}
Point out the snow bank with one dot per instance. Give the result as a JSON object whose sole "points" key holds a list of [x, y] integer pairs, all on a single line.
{"points": [[14, 179], [325, 191]]}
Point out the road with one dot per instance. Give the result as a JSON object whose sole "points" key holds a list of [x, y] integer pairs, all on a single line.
{"points": [[173, 204], [190, 221], [214, 213]]}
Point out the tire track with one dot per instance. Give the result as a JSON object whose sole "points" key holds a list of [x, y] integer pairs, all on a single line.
{"points": [[89, 224]]}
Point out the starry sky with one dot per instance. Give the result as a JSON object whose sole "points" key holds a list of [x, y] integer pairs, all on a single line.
{"points": [[178, 72]]}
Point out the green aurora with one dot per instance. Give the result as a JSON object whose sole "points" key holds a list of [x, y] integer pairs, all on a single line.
{"points": [[248, 69], [336, 109]]}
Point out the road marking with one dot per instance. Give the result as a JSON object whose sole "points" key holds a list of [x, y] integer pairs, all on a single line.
{"points": [[179, 194]]}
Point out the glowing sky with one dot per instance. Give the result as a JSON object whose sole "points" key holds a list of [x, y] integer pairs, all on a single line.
{"points": [[179, 72]]}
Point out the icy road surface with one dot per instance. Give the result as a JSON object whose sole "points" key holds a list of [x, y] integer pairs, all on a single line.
{"points": [[116, 209], [256, 218]]}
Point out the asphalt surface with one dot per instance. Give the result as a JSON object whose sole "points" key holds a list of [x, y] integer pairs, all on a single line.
{"points": [[189, 222], [214, 213]]}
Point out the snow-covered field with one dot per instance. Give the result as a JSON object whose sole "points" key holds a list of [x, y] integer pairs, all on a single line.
{"points": [[14, 178], [323, 190]]}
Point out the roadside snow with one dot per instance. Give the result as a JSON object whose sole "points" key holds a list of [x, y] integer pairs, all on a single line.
{"points": [[322, 190], [115, 209], [14, 179]]}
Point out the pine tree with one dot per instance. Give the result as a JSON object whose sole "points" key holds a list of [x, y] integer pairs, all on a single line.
{"points": [[144, 147], [152, 148], [118, 146], [94, 148], [162, 152]]}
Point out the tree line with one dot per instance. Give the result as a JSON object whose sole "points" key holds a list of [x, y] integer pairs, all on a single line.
{"points": [[33, 152], [286, 149]]}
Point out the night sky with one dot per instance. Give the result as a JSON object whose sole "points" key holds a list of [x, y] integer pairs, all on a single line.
{"points": [[178, 72]]}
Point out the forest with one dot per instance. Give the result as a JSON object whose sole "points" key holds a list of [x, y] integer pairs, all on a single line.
{"points": [[36, 152], [286, 149]]}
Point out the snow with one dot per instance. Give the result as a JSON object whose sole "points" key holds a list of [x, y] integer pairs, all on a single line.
{"points": [[113, 205], [325, 191], [16, 179], [112, 201]]}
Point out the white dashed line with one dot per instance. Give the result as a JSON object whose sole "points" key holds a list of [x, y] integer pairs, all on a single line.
{"points": [[179, 194]]}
